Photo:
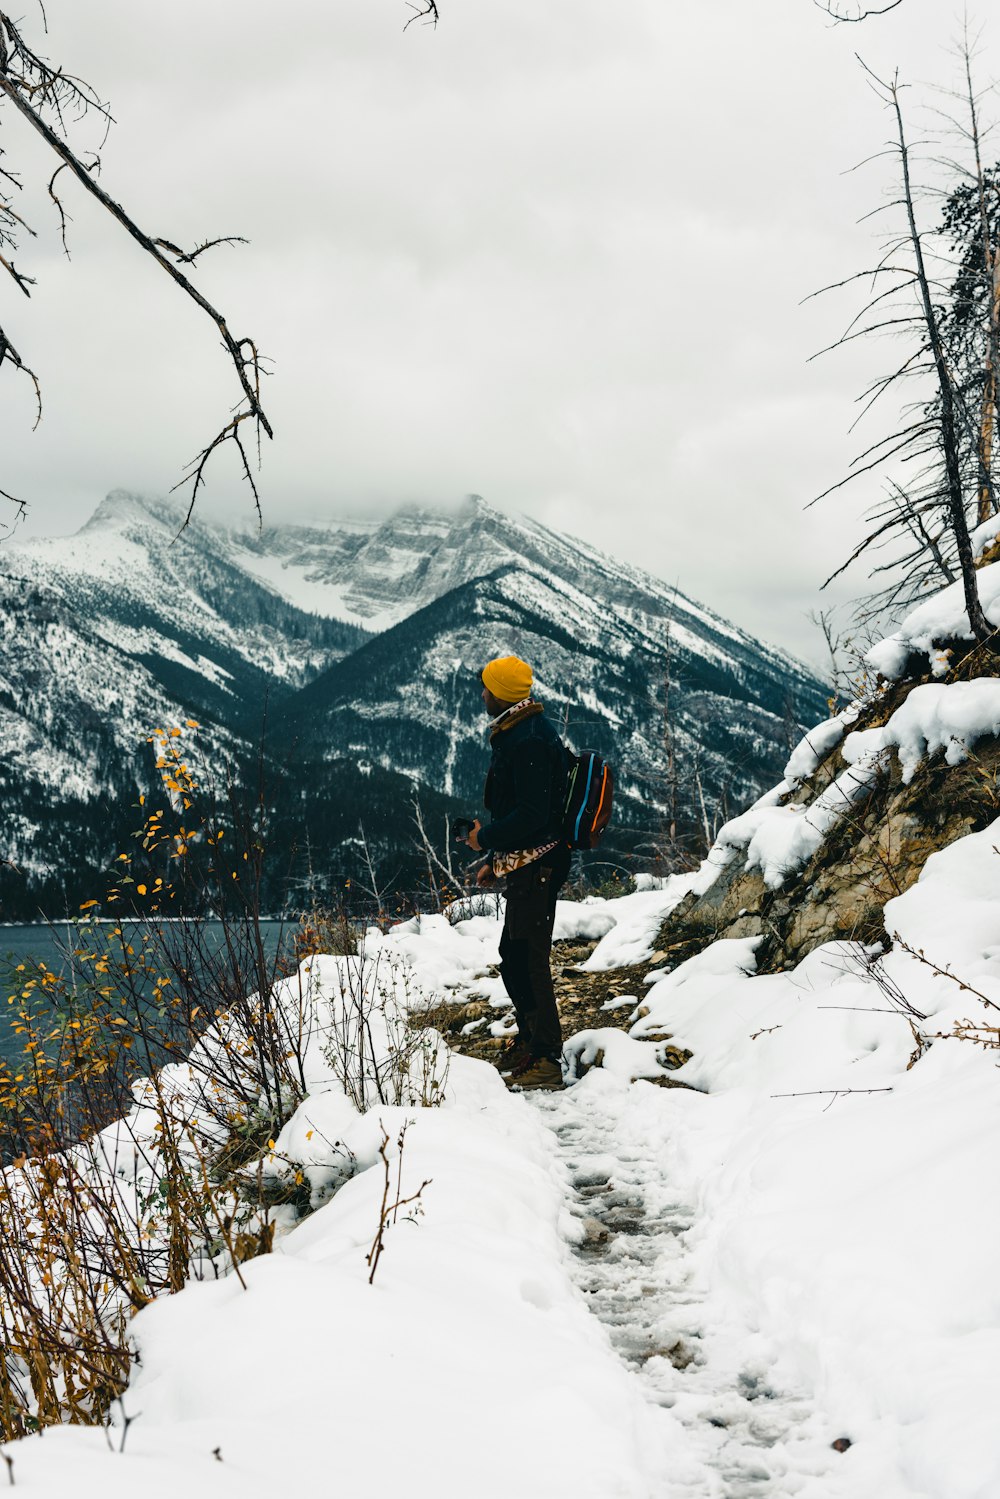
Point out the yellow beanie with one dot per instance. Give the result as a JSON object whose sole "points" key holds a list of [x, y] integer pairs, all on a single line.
{"points": [[508, 678]]}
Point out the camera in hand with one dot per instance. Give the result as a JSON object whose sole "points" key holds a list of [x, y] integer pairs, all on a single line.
{"points": [[461, 827]]}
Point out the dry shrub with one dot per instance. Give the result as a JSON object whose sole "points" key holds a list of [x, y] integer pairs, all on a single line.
{"points": [[376, 1048], [157, 1070], [152, 1068]]}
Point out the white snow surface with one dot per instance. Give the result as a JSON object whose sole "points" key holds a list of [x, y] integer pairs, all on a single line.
{"points": [[812, 750], [779, 837], [933, 623], [935, 716], [821, 1236], [984, 535], [636, 921]]}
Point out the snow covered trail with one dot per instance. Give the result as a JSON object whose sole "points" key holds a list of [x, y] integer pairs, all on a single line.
{"points": [[747, 1439]]}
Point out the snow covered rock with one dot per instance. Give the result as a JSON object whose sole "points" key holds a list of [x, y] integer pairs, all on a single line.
{"points": [[934, 717], [936, 623]]}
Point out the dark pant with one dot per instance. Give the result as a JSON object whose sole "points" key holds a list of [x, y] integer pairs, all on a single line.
{"points": [[525, 948]]}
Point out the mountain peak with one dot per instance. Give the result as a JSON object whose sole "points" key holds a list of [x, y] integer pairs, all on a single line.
{"points": [[121, 508]]}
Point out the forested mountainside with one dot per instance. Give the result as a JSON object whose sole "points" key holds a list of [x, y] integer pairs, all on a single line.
{"points": [[267, 639]]}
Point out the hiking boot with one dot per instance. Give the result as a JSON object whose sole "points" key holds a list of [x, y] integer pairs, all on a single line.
{"points": [[536, 1073], [513, 1055]]}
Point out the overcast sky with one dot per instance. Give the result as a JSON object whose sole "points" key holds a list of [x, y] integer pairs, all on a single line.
{"points": [[553, 254]]}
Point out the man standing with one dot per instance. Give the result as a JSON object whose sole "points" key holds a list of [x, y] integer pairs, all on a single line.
{"points": [[524, 841]]}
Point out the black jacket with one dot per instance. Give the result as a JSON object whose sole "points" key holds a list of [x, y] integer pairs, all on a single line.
{"points": [[525, 787]]}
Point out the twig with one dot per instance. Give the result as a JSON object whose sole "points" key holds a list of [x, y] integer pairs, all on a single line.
{"points": [[863, 1010], [837, 1092], [8, 352], [943, 973], [189, 257], [126, 1423], [389, 1214], [862, 15], [427, 12]]}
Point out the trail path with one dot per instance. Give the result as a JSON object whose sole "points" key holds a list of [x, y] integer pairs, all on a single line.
{"points": [[748, 1440]]}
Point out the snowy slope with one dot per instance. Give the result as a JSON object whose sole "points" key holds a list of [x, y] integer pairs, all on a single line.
{"points": [[144, 584], [788, 1291], [312, 1381], [376, 573], [106, 635], [775, 1281]]}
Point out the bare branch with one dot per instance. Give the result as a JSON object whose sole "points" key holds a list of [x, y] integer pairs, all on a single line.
{"points": [[37, 89], [9, 353], [426, 11], [863, 12], [63, 215], [190, 257], [899, 270]]}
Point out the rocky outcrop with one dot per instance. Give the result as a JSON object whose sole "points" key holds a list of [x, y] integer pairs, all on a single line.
{"points": [[874, 852]]}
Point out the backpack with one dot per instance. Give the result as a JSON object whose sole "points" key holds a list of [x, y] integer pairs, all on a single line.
{"points": [[589, 791]]}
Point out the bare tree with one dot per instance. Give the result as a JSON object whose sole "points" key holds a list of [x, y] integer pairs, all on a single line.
{"points": [[442, 876], [53, 103], [370, 882], [669, 747], [912, 285]]}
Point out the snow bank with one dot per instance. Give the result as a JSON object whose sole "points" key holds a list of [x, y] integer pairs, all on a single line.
{"points": [[450, 952], [779, 837], [446, 952], [637, 920], [778, 840], [295, 1384], [812, 750], [933, 623], [844, 1234], [934, 716], [615, 1052]]}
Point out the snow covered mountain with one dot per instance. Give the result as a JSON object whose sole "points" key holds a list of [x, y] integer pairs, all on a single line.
{"points": [[363, 639], [107, 635], [412, 694]]}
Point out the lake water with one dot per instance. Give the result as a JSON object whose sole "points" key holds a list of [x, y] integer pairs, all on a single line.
{"points": [[48, 944]]}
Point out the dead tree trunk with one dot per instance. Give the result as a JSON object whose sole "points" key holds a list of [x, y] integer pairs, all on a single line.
{"points": [[947, 424]]}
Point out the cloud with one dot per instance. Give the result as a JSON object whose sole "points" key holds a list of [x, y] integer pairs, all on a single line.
{"points": [[552, 254]]}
